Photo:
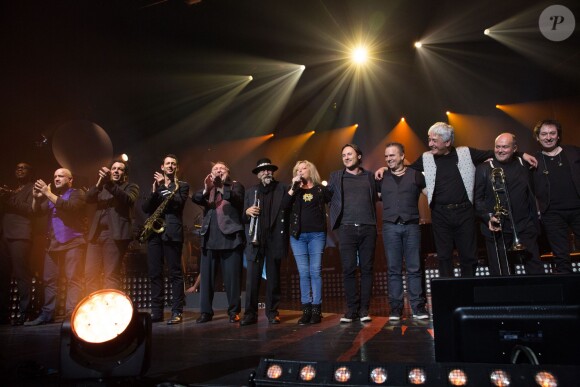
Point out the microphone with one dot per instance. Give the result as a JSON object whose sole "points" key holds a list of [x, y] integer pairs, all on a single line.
{"points": [[217, 180]]}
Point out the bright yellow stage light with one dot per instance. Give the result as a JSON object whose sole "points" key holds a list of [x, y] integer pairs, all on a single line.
{"points": [[487, 31], [102, 316], [124, 157], [418, 44], [359, 55]]}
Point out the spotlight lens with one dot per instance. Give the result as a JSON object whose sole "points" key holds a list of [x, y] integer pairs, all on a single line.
{"points": [[486, 31], [418, 44], [102, 316], [500, 378], [546, 379], [457, 377], [274, 371], [417, 376], [307, 373], [359, 55], [379, 375], [342, 374], [124, 157]]}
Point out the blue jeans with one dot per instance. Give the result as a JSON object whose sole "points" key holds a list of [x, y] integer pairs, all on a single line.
{"points": [[308, 250], [403, 241]]}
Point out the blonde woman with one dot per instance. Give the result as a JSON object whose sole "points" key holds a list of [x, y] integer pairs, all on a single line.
{"points": [[308, 236]]}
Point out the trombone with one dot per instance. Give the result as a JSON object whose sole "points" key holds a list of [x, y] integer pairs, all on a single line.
{"points": [[254, 222], [502, 209]]}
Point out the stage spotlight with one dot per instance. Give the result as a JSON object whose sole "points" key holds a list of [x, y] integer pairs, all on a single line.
{"points": [[457, 377], [500, 378], [324, 183], [274, 371], [359, 55], [105, 338], [342, 374], [402, 119], [447, 112], [379, 375], [250, 78], [278, 372], [124, 157], [418, 44], [546, 379], [308, 373], [487, 31], [417, 376], [302, 67]]}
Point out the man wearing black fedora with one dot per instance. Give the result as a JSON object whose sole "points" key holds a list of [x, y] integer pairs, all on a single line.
{"points": [[266, 227]]}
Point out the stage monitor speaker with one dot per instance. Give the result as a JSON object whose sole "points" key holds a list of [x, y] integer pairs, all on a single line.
{"points": [[507, 319]]}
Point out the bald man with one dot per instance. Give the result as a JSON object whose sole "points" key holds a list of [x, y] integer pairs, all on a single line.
{"points": [[64, 207], [517, 176]]}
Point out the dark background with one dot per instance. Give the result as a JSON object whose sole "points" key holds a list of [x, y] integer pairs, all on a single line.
{"points": [[148, 72]]}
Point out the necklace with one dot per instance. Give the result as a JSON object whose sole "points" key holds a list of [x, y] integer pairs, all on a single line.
{"points": [[400, 172], [545, 171]]}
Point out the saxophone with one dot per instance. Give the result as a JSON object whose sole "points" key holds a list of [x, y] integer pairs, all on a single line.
{"points": [[155, 223]]}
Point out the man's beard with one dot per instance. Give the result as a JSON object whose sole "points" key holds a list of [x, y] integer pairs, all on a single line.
{"points": [[266, 180]]}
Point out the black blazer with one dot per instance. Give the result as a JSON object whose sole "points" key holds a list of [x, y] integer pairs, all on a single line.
{"points": [[229, 214], [484, 198], [118, 201], [17, 208], [336, 203], [173, 213], [278, 242]]}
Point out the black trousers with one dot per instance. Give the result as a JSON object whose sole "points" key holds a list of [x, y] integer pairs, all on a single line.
{"points": [[15, 262], [254, 279], [357, 250], [104, 260], [556, 225], [455, 226], [230, 262], [159, 251]]}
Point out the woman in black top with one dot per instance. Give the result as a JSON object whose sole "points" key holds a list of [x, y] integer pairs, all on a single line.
{"points": [[308, 236]]}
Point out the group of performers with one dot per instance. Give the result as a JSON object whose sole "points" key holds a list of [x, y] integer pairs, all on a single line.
{"points": [[508, 191]]}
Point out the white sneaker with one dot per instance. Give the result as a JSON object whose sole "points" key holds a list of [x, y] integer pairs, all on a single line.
{"points": [[395, 314]]}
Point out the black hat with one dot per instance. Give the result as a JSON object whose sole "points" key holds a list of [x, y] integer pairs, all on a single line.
{"points": [[264, 164]]}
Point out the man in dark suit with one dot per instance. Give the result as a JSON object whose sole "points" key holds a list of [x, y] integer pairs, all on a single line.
{"points": [[500, 233], [16, 243], [222, 239], [268, 243], [172, 194], [111, 228], [353, 215], [65, 207]]}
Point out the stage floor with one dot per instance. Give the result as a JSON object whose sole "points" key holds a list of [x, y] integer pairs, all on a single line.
{"points": [[219, 353]]}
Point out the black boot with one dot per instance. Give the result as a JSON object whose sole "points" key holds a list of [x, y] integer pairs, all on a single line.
{"points": [[316, 314], [306, 314]]}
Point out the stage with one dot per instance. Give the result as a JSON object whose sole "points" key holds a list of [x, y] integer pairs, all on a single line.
{"points": [[219, 353]]}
